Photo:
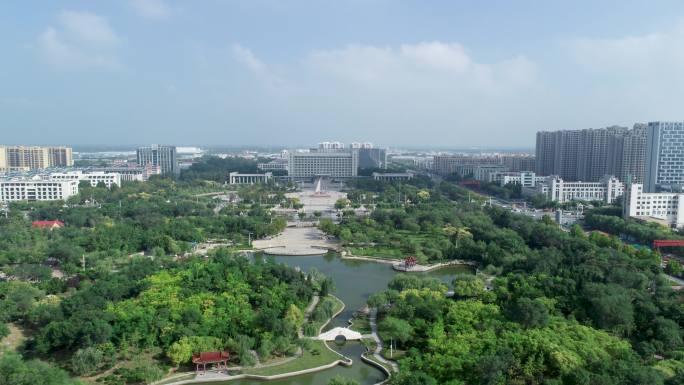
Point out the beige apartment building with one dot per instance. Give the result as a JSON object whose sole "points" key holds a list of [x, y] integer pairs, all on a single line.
{"points": [[24, 158]]}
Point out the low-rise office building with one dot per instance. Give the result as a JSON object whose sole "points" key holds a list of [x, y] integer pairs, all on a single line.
{"points": [[92, 177], [555, 189], [523, 178], [662, 208], [12, 190], [237, 178]]}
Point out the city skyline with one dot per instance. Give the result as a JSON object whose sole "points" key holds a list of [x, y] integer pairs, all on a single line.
{"points": [[255, 73]]}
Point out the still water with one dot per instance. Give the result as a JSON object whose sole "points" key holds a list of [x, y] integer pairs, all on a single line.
{"points": [[354, 281]]}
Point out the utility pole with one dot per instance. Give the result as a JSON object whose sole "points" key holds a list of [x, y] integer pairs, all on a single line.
{"points": [[83, 262]]}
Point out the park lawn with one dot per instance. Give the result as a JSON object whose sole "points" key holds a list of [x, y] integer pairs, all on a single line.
{"points": [[396, 354], [308, 360], [361, 324], [370, 344], [339, 305]]}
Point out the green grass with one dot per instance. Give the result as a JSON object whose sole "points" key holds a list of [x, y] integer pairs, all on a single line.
{"points": [[361, 324], [338, 306], [317, 355], [370, 344], [396, 354]]}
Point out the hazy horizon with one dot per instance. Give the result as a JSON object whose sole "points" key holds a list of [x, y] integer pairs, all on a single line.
{"points": [[396, 73]]}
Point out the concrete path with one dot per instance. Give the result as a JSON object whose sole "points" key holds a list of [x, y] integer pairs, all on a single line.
{"points": [[307, 313], [378, 348]]}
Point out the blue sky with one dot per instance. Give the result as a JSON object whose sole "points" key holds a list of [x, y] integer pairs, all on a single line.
{"points": [[412, 73]]}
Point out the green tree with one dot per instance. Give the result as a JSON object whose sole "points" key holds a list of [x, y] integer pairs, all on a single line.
{"points": [[468, 286], [423, 195], [294, 317], [673, 267], [15, 371], [529, 313], [341, 203], [396, 329], [4, 330]]}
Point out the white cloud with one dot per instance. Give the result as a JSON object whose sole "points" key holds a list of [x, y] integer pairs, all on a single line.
{"points": [[448, 57], [82, 40], [434, 64], [393, 92], [151, 9], [652, 55], [631, 78], [88, 28], [248, 59]]}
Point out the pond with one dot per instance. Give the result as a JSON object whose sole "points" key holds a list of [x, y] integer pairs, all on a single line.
{"points": [[355, 281]]}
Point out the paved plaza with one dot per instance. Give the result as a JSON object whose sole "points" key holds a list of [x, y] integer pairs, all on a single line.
{"points": [[308, 240]]}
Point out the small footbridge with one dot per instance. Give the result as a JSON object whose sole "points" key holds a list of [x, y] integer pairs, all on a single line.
{"points": [[340, 333]]}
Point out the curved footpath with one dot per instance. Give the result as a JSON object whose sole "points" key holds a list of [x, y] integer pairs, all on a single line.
{"points": [[372, 319]]}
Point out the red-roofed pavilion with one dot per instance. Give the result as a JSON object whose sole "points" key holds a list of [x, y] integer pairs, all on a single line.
{"points": [[47, 224], [204, 358]]}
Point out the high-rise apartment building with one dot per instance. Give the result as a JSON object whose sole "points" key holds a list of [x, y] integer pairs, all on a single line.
{"points": [[664, 157], [164, 157], [24, 158], [372, 157], [627, 154], [590, 154]]}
